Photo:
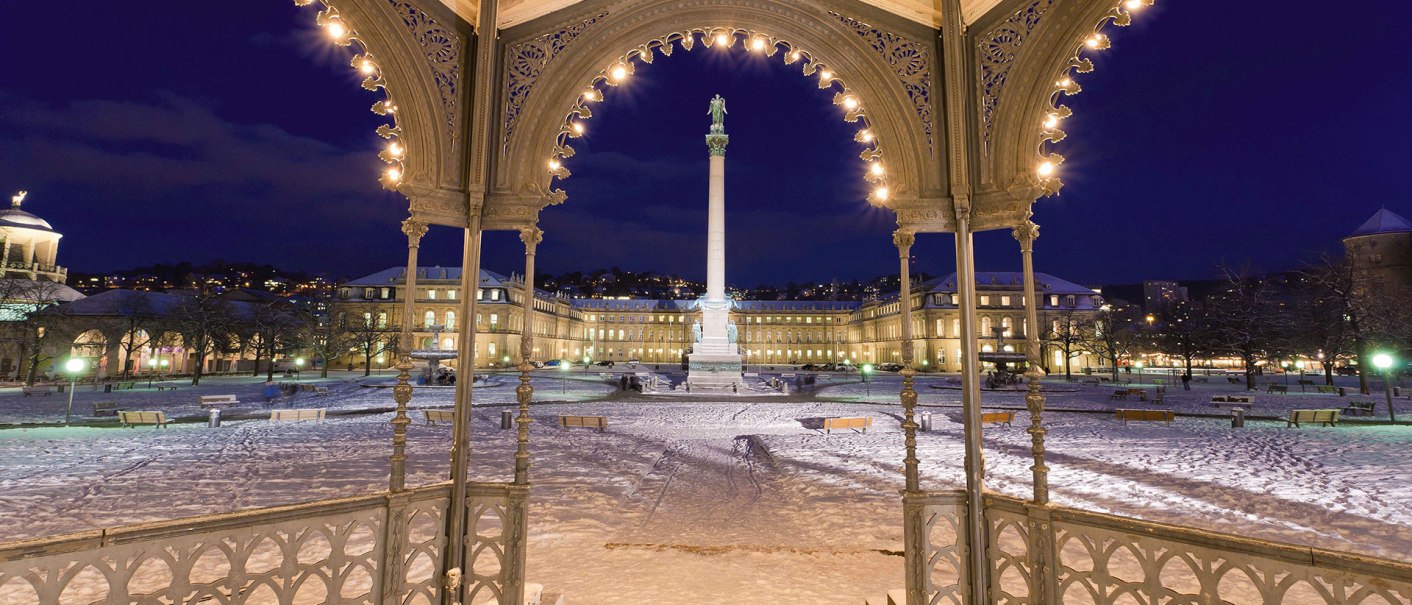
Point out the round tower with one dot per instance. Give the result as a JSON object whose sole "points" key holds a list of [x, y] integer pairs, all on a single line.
{"points": [[29, 245]]}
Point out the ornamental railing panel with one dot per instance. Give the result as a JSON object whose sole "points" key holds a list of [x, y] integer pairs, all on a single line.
{"points": [[1103, 559], [496, 528], [380, 549], [935, 533]]}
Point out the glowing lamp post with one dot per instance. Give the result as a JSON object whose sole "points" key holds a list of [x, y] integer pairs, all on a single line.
{"points": [[151, 369], [1384, 362], [865, 371], [586, 361], [1139, 365], [563, 375], [73, 366], [298, 367]]}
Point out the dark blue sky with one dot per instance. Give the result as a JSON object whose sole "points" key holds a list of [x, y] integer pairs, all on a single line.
{"points": [[167, 131]]}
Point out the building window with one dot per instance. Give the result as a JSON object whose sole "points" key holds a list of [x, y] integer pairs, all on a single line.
{"points": [[450, 320], [450, 295], [1053, 300], [494, 320], [429, 318], [495, 294], [369, 293], [1005, 301], [985, 327], [431, 294], [382, 321], [985, 300], [1070, 301]]}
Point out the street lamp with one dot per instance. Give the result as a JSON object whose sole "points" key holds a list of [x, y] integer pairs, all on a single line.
{"points": [[1299, 365], [586, 361], [865, 371], [1285, 366], [151, 369], [298, 367], [563, 375], [1139, 365], [73, 366], [1385, 362]]}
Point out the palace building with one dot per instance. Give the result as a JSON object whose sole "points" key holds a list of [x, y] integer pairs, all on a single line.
{"points": [[769, 332]]}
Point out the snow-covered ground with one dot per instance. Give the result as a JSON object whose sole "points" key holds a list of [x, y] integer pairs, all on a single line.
{"points": [[685, 498]]}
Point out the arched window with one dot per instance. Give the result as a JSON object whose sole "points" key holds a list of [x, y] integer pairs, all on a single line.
{"points": [[450, 320], [429, 318]]}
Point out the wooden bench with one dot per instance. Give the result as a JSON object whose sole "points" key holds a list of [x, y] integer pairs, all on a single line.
{"points": [[1145, 416], [125, 386], [1004, 418], [1303, 382], [1119, 394], [1141, 394], [105, 408], [1233, 379], [435, 416], [45, 391], [1326, 388], [163, 386], [292, 415], [1277, 388], [1360, 408], [135, 418], [1323, 417], [1159, 398], [585, 422], [1093, 382], [217, 401], [857, 424], [1233, 401]]}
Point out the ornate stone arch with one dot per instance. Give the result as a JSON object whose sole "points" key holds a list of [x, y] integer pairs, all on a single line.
{"points": [[418, 54], [1028, 53], [569, 54]]}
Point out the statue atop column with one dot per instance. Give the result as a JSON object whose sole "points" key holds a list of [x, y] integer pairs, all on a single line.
{"points": [[718, 115]]}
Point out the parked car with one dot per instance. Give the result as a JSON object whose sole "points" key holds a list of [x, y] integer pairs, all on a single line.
{"points": [[1346, 371], [632, 363], [606, 364], [890, 367], [553, 363]]}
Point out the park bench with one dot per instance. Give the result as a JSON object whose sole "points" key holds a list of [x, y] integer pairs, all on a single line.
{"points": [[1127, 416], [292, 415], [1004, 418], [1119, 394], [1323, 417], [1233, 401], [584, 422], [1233, 379], [1360, 408], [1158, 398], [105, 408], [1093, 382], [858, 424], [125, 386], [313, 388], [217, 401], [1277, 388], [1327, 388], [435, 416], [1304, 382], [1201, 379], [1141, 394], [129, 419], [45, 391], [163, 386]]}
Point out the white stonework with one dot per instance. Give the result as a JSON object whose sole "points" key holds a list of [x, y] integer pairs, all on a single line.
{"points": [[715, 361]]}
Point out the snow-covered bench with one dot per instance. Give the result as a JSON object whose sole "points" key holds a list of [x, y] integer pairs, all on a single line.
{"points": [[162, 386], [129, 419], [1127, 416], [1233, 401], [45, 391], [1360, 408], [435, 416], [125, 386], [217, 401], [1326, 389], [313, 388], [105, 408], [1277, 388], [584, 422], [1004, 418], [860, 424], [290, 415], [1323, 417]]}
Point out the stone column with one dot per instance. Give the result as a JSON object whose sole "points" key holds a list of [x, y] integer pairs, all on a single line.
{"points": [[1034, 400], [971, 404], [531, 236], [716, 221], [402, 391], [904, 240], [461, 419]]}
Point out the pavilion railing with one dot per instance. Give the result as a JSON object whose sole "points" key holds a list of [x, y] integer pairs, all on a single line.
{"points": [[935, 532], [382, 548], [1105, 559]]}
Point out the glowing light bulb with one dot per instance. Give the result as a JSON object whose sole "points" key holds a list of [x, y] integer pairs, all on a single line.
{"points": [[578, 127], [867, 136], [794, 56], [882, 193], [1064, 83], [826, 75], [1051, 121], [1094, 41], [850, 103], [620, 72], [1133, 5], [722, 39], [1046, 169], [394, 174], [367, 67], [395, 149], [553, 164], [877, 169], [337, 30], [590, 96], [758, 44]]}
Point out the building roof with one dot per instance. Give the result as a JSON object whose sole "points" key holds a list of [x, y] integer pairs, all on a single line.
{"points": [[397, 275], [1383, 221], [50, 291], [14, 217], [1044, 282]]}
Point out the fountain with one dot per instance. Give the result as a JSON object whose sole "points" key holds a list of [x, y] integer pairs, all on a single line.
{"points": [[435, 374], [1002, 377]]}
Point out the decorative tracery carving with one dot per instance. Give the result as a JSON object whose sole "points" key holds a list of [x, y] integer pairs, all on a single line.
{"points": [[910, 59], [526, 61], [996, 53], [443, 51]]}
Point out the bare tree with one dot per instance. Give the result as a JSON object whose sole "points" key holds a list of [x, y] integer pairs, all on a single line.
{"points": [[1184, 332], [276, 327], [205, 322], [371, 337], [1247, 319], [1111, 334], [1324, 321], [25, 323], [1065, 334], [134, 313], [330, 338]]}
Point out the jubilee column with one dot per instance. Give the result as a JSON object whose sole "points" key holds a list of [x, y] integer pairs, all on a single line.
{"points": [[715, 361]]}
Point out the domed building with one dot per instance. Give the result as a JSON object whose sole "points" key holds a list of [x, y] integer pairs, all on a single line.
{"points": [[1381, 252], [29, 245]]}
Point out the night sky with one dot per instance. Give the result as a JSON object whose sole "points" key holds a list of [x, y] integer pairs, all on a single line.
{"points": [[163, 131]]}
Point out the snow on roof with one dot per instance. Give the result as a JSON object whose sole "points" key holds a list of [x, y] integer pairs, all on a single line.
{"points": [[1383, 221], [397, 275], [14, 217], [1044, 282]]}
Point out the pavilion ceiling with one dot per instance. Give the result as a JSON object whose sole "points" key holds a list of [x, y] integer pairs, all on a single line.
{"points": [[928, 12]]}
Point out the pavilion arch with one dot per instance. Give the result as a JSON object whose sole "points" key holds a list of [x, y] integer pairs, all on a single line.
{"points": [[1023, 72], [549, 65]]}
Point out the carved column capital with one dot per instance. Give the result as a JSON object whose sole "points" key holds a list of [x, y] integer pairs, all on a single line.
{"points": [[903, 239], [414, 230], [1026, 233], [531, 236]]}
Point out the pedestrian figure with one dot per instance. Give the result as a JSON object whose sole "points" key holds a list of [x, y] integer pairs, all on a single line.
{"points": [[271, 391], [1186, 381], [623, 382]]}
